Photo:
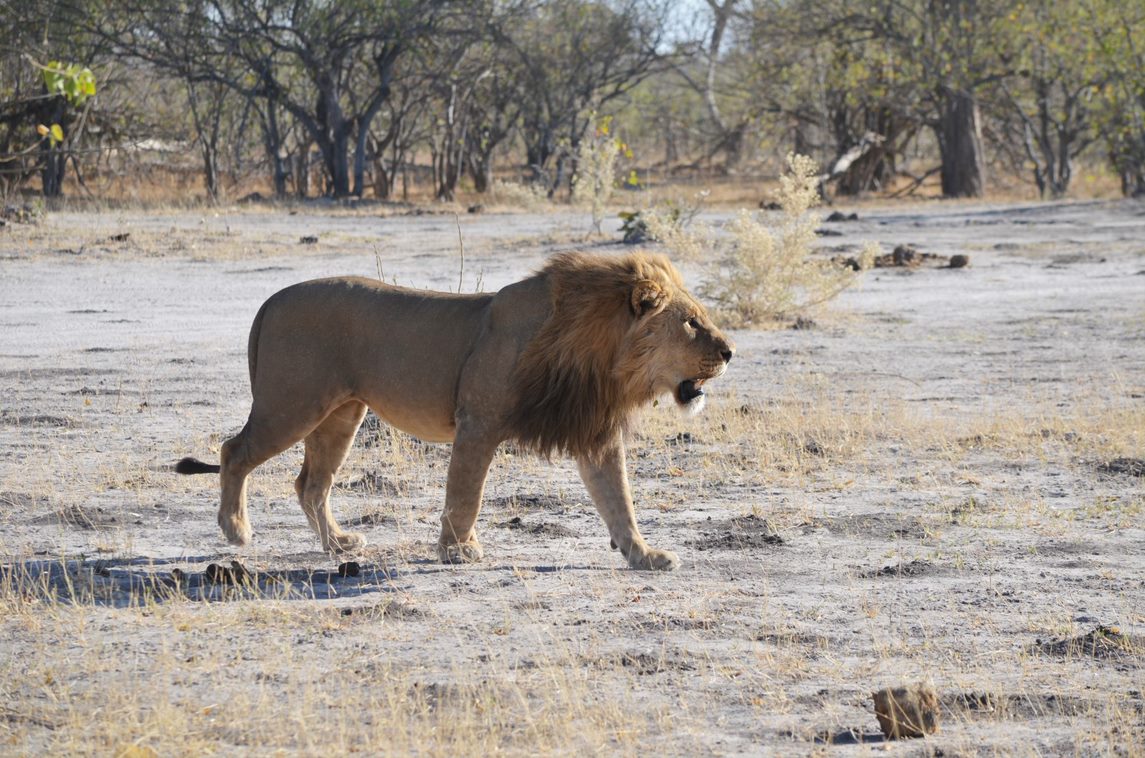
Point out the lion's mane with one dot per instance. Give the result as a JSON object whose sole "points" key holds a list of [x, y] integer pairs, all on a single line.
{"points": [[579, 379]]}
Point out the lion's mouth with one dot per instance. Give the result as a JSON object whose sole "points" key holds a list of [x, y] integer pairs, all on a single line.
{"points": [[688, 390]]}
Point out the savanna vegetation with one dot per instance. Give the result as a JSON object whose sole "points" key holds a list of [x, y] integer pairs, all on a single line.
{"points": [[386, 98]]}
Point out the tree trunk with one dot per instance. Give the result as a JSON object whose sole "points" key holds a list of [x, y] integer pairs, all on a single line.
{"points": [[272, 143], [383, 184], [52, 157], [340, 165], [210, 168], [480, 171], [333, 140], [960, 142], [302, 170], [539, 150]]}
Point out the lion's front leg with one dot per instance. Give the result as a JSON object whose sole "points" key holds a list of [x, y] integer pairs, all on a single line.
{"points": [[607, 483], [468, 467]]}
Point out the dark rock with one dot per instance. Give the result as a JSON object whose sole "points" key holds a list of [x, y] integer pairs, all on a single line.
{"points": [[1130, 466], [904, 255], [839, 216], [909, 711]]}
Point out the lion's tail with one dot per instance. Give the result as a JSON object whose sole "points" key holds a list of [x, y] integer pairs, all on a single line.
{"points": [[195, 466]]}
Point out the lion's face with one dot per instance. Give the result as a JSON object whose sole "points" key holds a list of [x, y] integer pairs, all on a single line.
{"points": [[682, 349], [622, 331]]}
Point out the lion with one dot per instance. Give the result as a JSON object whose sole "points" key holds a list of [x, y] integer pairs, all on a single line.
{"points": [[556, 363]]}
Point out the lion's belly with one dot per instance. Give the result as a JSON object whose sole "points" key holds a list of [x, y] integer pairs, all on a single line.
{"points": [[427, 426]]}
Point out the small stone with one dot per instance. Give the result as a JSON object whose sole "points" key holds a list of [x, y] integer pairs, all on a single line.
{"points": [[235, 574], [349, 569], [904, 255], [803, 323], [478, 208], [216, 574], [908, 711], [959, 261], [309, 239]]}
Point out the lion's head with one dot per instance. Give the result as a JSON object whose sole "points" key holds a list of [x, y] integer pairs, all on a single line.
{"points": [[621, 332]]}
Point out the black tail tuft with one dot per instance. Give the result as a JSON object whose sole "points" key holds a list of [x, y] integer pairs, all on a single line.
{"points": [[195, 466]]}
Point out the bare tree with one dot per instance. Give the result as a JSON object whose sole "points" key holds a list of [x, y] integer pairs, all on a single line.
{"points": [[569, 57], [329, 65]]}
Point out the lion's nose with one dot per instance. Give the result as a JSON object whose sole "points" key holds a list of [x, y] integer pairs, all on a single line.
{"points": [[727, 353]]}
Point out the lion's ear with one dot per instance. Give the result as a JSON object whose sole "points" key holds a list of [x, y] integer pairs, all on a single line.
{"points": [[647, 297]]}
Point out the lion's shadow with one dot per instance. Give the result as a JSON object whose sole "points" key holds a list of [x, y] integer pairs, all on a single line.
{"points": [[137, 582], [131, 582]]}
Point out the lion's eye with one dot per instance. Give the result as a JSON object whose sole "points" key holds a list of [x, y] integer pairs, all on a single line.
{"points": [[694, 323]]}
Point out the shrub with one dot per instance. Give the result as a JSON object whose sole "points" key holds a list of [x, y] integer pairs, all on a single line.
{"points": [[769, 273], [526, 196], [661, 223], [596, 168]]}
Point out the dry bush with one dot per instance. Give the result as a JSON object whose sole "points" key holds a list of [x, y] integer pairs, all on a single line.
{"points": [[596, 169], [764, 273], [529, 197], [669, 223]]}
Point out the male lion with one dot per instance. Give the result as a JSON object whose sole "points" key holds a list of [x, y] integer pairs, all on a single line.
{"points": [[557, 363]]}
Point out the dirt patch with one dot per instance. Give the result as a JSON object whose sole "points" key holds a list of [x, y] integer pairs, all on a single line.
{"points": [[739, 533], [883, 526], [1126, 466], [375, 483], [1003, 706], [396, 610], [1104, 642], [643, 663], [82, 517], [542, 529], [22, 500], [528, 503], [39, 419], [915, 568], [374, 518], [679, 624]]}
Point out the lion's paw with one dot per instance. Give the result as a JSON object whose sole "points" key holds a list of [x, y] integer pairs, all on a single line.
{"points": [[346, 542], [236, 530], [460, 552], [655, 560]]}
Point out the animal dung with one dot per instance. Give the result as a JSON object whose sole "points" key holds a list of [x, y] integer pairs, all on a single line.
{"points": [[907, 711], [235, 574]]}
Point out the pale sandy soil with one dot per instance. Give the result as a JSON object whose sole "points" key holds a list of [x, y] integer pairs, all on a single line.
{"points": [[937, 481]]}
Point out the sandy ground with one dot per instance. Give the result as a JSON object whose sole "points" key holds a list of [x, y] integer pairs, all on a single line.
{"points": [[940, 480]]}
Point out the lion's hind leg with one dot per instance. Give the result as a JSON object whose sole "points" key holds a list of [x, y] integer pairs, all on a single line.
{"points": [[326, 448], [264, 436]]}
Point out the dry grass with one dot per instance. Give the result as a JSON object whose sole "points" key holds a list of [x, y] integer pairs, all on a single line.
{"points": [[170, 675], [843, 527], [192, 678]]}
